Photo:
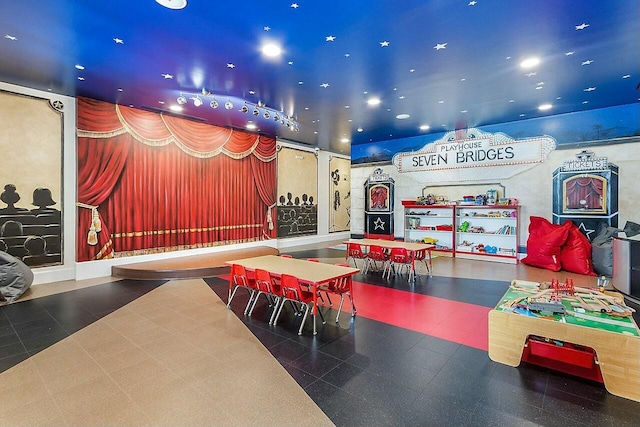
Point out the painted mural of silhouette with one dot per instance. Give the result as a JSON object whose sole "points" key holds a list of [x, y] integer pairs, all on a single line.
{"points": [[10, 196], [41, 226]]}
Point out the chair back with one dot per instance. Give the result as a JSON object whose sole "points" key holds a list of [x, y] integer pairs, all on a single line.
{"points": [[420, 255], [263, 281], [354, 250], [376, 253], [239, 275], [290, 287], [399, 255]]}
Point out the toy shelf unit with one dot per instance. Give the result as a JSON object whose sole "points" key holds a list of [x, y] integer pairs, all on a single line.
{"points": [[432, 224], [487, 232]]}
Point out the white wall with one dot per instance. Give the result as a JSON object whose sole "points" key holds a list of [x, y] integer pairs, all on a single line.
{"points": [[533, 187]]}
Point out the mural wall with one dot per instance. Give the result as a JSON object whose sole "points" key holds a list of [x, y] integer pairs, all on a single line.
{"points": [[31, 179], [297, 207], [149, 183], [340, 185]]}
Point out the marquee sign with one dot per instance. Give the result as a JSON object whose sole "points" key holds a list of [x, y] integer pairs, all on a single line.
{"points": [[474, 148]]}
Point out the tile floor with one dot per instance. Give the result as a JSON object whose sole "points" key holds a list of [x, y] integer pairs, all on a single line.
{"points": [[128, 352]]}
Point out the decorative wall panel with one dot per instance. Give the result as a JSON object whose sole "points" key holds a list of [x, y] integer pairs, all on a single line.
{"points": [[297, 193], [340, 185], [31, 179]]}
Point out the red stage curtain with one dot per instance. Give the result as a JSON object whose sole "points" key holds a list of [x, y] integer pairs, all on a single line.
{"points": [[587, 190], [171, 189]]}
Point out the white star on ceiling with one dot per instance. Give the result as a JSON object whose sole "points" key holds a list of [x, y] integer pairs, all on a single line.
{"points": [[12, 38], [531, 74], [266, 28], [585, 230], [569, 53], [587, 62], [440, 46], [118, 41], [346, 55], [626, 76], [230, 65], [330, 38], [378, 223], [290, 62], [589, 89], [473, 3], [384, 44], [167, 76], [295, 5], [325, 85], [581, 26]]}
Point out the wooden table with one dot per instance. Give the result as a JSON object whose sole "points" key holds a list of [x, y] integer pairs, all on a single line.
{"points": [[308, 272], [616, 342], [390, 244]]}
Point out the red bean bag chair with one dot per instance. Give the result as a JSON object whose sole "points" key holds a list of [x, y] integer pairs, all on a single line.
{"points": [[575, 254], [545, 242]]}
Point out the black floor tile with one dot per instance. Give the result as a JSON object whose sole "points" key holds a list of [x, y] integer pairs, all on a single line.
{"points": [[315, 363], [10, 361], [303, 379]]}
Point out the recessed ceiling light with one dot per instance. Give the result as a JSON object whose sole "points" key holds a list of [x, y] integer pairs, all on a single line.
{"points": [[373, 101], [344, 140], [251, 126], [79, 67], [424, 127], [173, 4], [530, 62], [176, 108], [272, 50], [545, 107], [360, 130], [403, 116]]}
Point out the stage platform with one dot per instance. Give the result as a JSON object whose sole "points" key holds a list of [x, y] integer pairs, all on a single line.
{"points": [[188, 267]]}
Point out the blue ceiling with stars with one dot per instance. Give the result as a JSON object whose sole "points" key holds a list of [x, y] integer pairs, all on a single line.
{"points": [[432, 65]]}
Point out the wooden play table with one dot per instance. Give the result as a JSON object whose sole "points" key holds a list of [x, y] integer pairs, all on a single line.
{"points": [[615, 341]]}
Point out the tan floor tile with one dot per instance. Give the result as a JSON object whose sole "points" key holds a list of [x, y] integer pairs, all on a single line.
{"points": [[79, 374], [163, 388], [113, 361], [98, 402], [40, 412], [19, 375], [139, 338], [197, 410], [32, 390], [60, 363], [166, 343], [139, 372]]}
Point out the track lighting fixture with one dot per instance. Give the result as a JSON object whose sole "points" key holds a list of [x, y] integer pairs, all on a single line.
{"points": [[257, 109]]}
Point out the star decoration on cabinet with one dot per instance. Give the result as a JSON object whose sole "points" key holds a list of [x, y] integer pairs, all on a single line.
{"points": [[378, 223]]}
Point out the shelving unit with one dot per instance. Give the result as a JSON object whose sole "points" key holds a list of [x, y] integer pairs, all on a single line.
{"points": [[491, 232], [487, 232], [435, 223]]}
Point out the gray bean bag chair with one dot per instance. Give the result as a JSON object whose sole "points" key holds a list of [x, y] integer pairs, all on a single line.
{"points": [[15, 277], [602, 251]]}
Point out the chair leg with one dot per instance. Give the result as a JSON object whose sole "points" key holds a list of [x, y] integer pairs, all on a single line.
{"points": [[246, 309], [255, 300], [275, 321], [231, 295], [339, 308], [354, 310], [275, 309], [306, 312]]}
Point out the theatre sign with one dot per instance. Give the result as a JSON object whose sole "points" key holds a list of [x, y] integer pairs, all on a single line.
{"points": [[473, 148]]}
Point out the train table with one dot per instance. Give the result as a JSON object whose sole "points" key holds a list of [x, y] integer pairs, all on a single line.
{"points": [[577, 331]]}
